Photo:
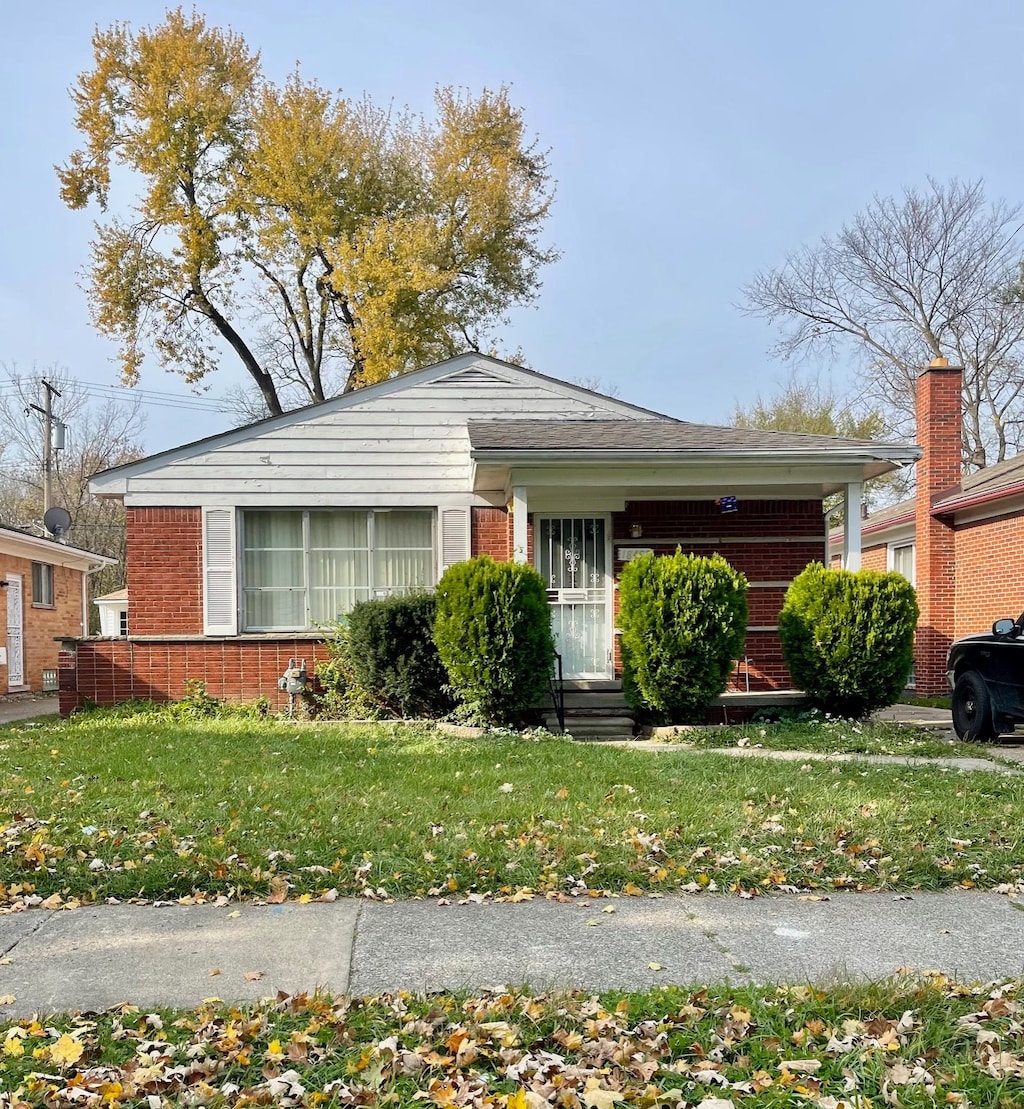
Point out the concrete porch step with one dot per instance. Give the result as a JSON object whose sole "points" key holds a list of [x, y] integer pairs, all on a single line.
{"points": [[583, 699], [593, 725]]}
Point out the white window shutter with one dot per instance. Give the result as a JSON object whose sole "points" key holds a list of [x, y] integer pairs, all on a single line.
{"points": [[220, 602], [454, 536]]}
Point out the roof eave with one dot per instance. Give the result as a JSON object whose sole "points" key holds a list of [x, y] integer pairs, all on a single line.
{"points": [[578, 455]]}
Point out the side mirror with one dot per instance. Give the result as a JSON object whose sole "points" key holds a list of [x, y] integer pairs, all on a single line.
{"points": [[1005, 627]]}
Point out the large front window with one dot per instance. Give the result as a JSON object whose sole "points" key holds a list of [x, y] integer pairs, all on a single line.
{"points": [[302, 569]]}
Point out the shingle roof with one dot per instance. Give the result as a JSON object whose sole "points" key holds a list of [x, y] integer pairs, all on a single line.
{"points": [[991, 480], [645, 435]]}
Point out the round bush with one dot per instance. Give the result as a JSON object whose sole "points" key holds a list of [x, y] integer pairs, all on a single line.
{"points": [[848, 637], [393, 655], [683, 620], [493, 633]]}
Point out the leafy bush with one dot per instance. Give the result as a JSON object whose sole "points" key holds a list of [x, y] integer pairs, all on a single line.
{"points": [[848, 638], [340, 695], [493, 633], [683, 621], [394, 658]]}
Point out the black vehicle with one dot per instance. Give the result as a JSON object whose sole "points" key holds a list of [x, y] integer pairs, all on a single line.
{"points": [[986, 674]]}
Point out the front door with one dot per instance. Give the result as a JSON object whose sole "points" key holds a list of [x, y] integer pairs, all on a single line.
{"points": [[15, 637], [571, 553]]}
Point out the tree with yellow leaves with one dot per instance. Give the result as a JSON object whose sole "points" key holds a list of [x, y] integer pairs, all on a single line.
{"points": [[327, 242]]}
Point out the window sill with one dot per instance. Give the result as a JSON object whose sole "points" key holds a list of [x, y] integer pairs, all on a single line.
{"points": [[40, 605]]}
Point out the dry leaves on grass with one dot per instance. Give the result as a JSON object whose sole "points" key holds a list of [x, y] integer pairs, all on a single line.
{"points": [[516, 1051]]}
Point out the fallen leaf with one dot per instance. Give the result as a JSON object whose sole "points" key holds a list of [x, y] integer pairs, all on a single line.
{"points": [[608, 909], [234, 915], [213, 973], [278, 890], [7, 999], [66, 1050], [655, 966], [254, 975]]}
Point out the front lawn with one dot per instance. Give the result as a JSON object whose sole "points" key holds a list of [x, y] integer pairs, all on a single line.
{"points": [[119, 805], [901, 1043], [829, 736]]}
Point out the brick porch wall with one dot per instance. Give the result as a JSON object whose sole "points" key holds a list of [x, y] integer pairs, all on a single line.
{"points": [[106, 671], [769, 541]]}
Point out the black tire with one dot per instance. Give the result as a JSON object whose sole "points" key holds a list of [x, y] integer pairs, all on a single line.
{"points": [[972, 708]]}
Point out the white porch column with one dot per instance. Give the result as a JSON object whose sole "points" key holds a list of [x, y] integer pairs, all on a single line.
{"points": [[519, 543], [852, 495]]}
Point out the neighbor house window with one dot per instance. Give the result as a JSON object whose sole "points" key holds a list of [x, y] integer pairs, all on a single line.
{"points": [[901, 559], [42, 584], [302, 569]]}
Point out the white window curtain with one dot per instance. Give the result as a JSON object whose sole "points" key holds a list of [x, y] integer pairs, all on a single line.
{"points": [[302, 569]]}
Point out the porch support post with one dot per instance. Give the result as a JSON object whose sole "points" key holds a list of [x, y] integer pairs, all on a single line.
{"points": [[519, 543], [852, 495]]}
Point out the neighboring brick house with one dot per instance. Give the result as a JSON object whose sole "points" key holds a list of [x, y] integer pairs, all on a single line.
{"points": [[959, 539], [242, 545], [42, 597]]}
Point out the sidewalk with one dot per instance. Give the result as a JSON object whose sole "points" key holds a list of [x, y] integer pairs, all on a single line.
{"points": [[23, 706], [96, 957]]}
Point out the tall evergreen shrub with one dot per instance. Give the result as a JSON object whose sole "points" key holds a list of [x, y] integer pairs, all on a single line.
{"points": [[394, 657], [848, 637], [493, 633], [683, 620]]}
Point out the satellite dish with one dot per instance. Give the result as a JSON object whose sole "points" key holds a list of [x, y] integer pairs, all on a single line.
{"points": [[56, 521]]}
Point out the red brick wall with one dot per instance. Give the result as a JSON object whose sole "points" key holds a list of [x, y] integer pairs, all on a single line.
{"points": [[40, 625], [875, 558], [491, 533], [106, 671], [989, 583], [165, 571], [938, 432]]}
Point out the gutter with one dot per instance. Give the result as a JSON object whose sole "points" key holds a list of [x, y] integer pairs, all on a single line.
{"points": [[970, 501]]}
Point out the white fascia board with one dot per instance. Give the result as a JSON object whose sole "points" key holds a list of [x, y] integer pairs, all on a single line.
{"points": [[56, 554]]}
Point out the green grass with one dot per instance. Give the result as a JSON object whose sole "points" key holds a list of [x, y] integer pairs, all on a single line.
{"points": [[121, 805], [908, 1042], [831, 737]]}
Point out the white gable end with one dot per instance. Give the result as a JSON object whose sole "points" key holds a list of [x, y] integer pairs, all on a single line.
{"points": [[402, 443]]}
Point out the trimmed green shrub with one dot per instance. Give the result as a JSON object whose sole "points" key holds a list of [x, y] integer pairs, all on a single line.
{"points": [[848, 637], [493, 632], [683, 620], [339, 695], [394, 658]]}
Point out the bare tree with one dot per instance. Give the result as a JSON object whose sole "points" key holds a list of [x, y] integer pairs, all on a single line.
{"points": [[909, 279], [811, 406], [100, 434]]}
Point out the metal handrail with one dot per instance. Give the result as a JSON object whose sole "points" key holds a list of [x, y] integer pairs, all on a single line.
{"points": [[558, 692]]}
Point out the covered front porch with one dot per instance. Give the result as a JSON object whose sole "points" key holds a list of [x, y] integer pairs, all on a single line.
{"points": [[583, 498]]}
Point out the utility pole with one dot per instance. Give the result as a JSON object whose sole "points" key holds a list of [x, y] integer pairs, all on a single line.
{"points": [[47, 413]]}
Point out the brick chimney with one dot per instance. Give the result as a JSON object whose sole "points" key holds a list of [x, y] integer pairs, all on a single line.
{"points": [[939, 433]]}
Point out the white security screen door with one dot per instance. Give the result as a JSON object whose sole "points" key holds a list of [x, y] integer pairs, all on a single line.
{"points": [[571, 553], [15, 641]]}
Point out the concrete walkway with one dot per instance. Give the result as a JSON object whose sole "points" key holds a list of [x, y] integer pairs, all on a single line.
{"points": [[93, 958], [26, 705]]}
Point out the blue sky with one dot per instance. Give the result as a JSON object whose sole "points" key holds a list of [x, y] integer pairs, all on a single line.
{"points": [[693, 145]]}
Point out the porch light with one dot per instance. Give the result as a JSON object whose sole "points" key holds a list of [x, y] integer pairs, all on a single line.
{"points": [[636, 531]]}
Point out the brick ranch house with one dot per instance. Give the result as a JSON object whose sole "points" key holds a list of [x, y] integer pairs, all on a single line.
{"points": [[959, 539], [242, 544], [43, 596]]}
